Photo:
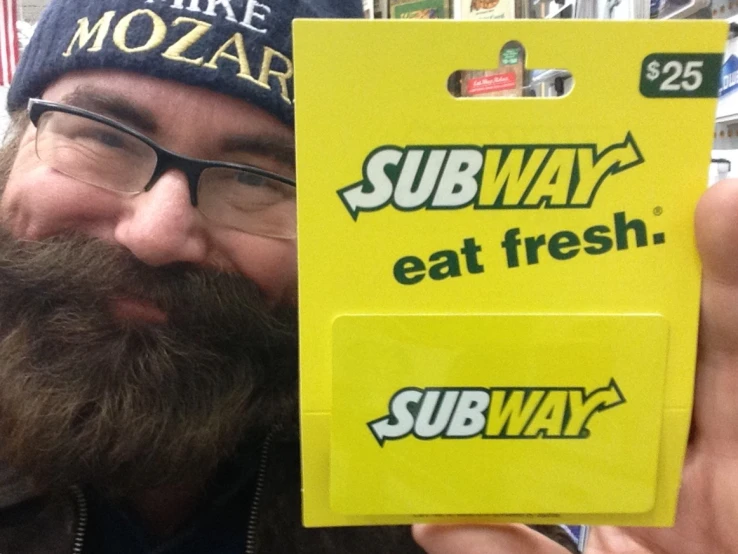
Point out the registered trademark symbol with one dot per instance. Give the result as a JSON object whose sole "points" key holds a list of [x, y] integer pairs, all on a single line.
{"points": [[658, 210]]}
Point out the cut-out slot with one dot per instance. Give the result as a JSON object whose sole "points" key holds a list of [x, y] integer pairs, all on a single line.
{"points": [[510, 79]]}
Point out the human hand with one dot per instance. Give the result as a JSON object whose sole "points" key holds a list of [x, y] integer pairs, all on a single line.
{"points": [[708, 502]]}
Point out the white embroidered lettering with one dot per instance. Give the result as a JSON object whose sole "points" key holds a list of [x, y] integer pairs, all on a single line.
{"points": [[177, 4], [252, 13], [212, 4], [194, 6]]}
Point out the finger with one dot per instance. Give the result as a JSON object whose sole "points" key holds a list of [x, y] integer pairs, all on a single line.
{"points": [[716, 390], [716, 231], [483, 539]]}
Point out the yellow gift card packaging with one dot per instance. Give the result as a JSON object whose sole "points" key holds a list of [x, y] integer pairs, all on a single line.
{"points": [[499, 296]]}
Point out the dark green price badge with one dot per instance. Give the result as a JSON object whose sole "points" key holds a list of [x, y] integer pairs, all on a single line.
{"points": [[681, 75]]}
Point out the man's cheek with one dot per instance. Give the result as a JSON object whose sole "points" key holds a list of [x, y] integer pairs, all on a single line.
{"points": [[39, 202], [270, 263], [276, 277]]}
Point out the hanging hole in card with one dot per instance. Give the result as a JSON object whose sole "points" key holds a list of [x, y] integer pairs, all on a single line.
{"points": [[510, 79]]}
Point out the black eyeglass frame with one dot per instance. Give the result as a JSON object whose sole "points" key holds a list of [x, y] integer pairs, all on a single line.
{"points": [[165, 159]]}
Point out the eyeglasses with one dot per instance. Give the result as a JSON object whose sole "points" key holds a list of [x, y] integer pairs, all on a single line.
{"points": [[103, 153]]}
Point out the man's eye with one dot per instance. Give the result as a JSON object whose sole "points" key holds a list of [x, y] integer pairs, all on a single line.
{"points": [[111, 140], [252, 179]]}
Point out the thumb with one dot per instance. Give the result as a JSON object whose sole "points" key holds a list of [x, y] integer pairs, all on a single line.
{"points": [[716, 232], [483, 539]]}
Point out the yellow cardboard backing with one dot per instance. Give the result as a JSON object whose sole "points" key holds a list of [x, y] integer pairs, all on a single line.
{"points": [[513, 338]]}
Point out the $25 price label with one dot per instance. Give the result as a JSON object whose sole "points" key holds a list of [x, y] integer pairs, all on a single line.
{"points": [[681, 75]]}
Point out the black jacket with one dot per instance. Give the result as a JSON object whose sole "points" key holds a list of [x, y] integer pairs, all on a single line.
{"points": [[57, 524]]}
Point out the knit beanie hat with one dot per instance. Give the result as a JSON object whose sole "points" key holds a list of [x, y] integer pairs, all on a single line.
{"points": [[242, 48]]}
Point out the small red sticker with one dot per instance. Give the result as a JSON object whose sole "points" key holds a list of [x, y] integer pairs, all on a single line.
{"points": [[490, 83]]}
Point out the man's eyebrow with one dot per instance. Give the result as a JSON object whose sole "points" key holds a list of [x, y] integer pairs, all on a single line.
{"points": [[279, 149], [114, 106]]}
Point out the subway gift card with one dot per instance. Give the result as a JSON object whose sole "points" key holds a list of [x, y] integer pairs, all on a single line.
{"points": [[499, 296]]}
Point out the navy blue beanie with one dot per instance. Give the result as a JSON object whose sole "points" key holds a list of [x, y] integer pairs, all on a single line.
{"points": [[242, 48]]}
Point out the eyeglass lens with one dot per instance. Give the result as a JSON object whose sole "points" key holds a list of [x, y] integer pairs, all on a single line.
{"points": [[100, 155]]}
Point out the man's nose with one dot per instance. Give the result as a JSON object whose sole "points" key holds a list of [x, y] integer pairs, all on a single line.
{"points": [[161, 226]]}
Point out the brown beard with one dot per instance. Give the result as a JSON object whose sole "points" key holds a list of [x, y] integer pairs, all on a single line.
{"points": [[86, 397]]}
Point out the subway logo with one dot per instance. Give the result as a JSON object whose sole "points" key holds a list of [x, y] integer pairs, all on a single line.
{"points": [[493, 177]]}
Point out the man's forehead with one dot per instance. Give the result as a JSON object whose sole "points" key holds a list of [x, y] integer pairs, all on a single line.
{"points": [[166, 109]]}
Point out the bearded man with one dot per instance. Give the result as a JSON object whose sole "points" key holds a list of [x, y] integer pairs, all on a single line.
{"points": [[147, 289]]}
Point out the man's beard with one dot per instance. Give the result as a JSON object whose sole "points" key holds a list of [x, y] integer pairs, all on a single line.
{"points": [[126, 405]]}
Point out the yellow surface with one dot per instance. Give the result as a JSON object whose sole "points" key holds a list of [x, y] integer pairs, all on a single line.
{"points": [[569, 306], [498, 461]]}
